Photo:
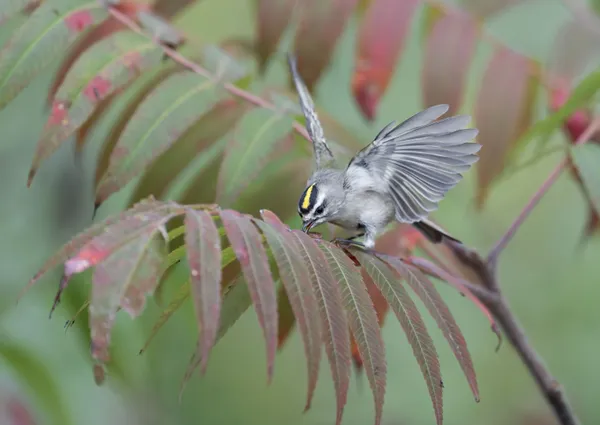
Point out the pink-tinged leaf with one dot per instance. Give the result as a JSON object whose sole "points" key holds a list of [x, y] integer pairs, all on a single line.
{"points": [[503, 110], [170, 8], [161, 118], [204, 258], [412, 323], [297, 282], [381, 38], [272, 18], [321, 23], [82, 44], [363, 321], [448, 55], [255, 140], [41, 39], [381, 309], [333, 317], [75, 244], [147, 277], [440, 312], [287, 320], [111, 280], [105, 69], [247, 245], [485, 9]]}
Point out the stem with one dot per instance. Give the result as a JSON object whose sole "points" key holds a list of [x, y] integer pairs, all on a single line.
{"points": [[194, 67], [538, 195]]}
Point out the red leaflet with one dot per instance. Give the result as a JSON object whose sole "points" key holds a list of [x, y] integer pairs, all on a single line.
{"points": [[502, 112], [320, 26], [204, 254], [247, 245], [272, 18], [448, 54], [381, 38]]}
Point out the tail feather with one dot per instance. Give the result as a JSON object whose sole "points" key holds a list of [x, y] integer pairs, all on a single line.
{"points": [[433, 232]]}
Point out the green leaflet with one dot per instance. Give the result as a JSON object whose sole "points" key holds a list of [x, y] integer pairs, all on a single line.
{"points": [[102, 70], [255, 139], [41, 39], [157, 123]]}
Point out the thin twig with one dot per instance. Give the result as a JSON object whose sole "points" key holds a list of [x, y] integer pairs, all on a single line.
{"points": [[498, 306], [538, 195], [192, 66]]}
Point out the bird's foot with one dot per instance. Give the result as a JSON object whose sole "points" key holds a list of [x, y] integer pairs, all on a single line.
{"points": [[347, 243]]}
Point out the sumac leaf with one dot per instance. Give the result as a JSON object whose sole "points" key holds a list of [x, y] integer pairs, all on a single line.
{"points": [[440, 312], [254, 140], [296, 279], [448, 55], [381, 38], [203, 245], [412, 323], [320, 25], [124, 116], [247, 245], [363, 321], [287, 320], [334, 327], [104, 69], [502, 113], [132, 264], [43, 37], [157, 123], [80, 240], [198, 140], [272, 18]]}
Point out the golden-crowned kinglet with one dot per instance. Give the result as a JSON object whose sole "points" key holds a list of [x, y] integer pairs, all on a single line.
{"points": [[401, 175]]}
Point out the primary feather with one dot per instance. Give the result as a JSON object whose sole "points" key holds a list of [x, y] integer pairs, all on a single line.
{"points": [[417, 161]]}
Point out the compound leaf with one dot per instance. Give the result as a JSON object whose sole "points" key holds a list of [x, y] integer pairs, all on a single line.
{"points": [[363, 321], [157, 123], [106, 68], [254, 140], [333, 317], [321, 24], [204, 254], [448, 54], [412, 323], [381, 37], [43, 37], [247, 245], [296, 279]]}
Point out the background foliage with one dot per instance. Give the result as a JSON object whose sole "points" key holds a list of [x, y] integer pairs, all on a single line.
{"points": [[547, 271]]}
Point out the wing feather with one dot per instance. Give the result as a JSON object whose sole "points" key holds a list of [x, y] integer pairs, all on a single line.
{"points": [[418, 161], [323, 154]]}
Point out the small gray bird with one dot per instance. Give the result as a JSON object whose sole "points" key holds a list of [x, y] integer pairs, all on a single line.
{"points": [[401, 175]]}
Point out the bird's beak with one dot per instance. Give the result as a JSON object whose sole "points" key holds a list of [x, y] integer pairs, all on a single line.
{"points": [[306, 226]]}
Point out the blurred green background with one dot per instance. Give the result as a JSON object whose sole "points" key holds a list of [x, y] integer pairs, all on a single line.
{"points": [[549, 278]]}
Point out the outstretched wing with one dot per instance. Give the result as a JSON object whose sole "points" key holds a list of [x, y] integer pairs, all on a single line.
{"points": [[417, 161], [323, 155]]}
